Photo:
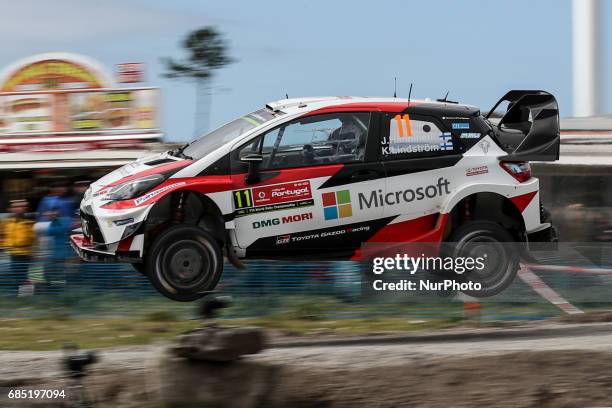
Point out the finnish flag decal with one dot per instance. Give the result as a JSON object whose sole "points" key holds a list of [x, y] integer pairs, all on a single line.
{"points": [[446, 141]]}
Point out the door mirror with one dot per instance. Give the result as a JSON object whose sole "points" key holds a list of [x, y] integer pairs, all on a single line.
{"points": [[254, 160]]}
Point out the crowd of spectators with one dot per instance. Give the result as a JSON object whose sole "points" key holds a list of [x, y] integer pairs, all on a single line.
{"points": [[36, 240]]}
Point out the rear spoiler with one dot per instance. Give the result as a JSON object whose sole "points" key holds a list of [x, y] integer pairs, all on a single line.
{"points": [[529, 130]]}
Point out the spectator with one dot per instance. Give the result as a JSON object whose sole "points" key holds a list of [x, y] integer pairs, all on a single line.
{"points": [[80, 187], [56, 199], [18, 237], [57, 233], [40, 253]]}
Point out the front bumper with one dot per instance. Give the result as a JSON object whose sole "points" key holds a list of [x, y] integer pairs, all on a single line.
{"points": [[99, 253], [108, 227]]}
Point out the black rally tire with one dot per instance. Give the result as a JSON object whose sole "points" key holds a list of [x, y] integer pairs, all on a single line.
{"points": [[184, 262], [476, 238]]}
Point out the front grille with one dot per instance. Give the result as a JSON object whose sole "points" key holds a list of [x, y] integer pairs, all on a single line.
{"points": [[90, 226]]}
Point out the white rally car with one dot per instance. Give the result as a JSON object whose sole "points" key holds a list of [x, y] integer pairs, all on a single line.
{"points": [[318, 178]]}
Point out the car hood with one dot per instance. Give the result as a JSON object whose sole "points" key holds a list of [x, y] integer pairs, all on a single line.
{"points": [[151, 164]]}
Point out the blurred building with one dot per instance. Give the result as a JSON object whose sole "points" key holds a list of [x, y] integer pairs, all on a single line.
{"points": [[62, 116], [578, 187]]}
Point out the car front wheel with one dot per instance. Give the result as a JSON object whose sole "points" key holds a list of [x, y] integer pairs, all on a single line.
{"points": [[184, 262]]}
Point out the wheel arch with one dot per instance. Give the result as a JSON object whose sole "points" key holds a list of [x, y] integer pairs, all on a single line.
{"points": [[485, 205], [197, 209]]}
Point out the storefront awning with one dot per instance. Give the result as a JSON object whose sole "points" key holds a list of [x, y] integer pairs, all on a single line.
{"points": [[78, 159]]}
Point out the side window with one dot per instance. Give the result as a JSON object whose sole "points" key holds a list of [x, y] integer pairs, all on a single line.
{"points": [[468, 131], [313, 140], [412, 136]]}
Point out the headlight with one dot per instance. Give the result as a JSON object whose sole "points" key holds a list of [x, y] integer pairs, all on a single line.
{"points": [[134, 188]]}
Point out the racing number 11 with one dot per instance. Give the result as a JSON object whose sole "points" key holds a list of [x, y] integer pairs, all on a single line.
{"points": [[400, 128], [242, 198]]}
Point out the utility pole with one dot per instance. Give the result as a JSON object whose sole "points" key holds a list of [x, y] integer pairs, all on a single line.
{"points": [[587, 57]]}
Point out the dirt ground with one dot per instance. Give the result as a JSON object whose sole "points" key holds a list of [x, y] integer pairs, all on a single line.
{"points": [[570, 371], [521, 379]]}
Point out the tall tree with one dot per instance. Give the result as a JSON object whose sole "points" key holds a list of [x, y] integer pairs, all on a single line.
{"points": [[206, 52]]}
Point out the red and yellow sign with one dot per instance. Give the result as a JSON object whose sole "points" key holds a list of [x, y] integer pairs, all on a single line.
{"points": [[116, 109], [63, 102], [103, 110], [70, 93], [51, 74]]}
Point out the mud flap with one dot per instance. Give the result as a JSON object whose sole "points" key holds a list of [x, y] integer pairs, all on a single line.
{"points": [[529, 130], [231, 255]]}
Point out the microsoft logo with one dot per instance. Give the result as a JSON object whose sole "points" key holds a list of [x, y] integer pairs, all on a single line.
{"points": [[337, 205]]}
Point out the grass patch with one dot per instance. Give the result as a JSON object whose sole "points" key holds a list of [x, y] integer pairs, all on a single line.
{"points": [[53, 316], [49, 334], [349, 325], [160, 316]]}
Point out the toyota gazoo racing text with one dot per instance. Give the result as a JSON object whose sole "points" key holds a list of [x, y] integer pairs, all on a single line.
{"points": [[318, 178]]}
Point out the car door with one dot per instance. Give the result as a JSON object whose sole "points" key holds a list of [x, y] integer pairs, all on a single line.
{"points": [[418, 153], [306, 196]]}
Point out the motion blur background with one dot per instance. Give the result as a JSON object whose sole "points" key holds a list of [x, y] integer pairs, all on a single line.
{"points": [[87, 87]]}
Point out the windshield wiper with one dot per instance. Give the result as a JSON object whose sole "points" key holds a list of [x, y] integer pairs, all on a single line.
{"points": [[179, 152]]}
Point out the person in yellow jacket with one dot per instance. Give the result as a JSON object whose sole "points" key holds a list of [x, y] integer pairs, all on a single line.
{"points": [[17, 239]]}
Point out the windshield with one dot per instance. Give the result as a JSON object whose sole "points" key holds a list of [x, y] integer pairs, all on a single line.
{"points": [[217, 138]]}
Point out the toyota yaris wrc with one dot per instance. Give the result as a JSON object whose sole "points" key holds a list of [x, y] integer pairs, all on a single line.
{"points": [[318, 178]]}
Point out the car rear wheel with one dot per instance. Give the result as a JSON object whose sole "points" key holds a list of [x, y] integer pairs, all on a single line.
{"points": [[492, 242], [184, 262]]}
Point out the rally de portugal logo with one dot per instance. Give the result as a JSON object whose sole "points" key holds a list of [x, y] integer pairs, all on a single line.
{"points": [[337, 205]]}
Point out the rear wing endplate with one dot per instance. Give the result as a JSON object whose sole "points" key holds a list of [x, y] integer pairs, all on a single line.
{"points": [[529, 130]]}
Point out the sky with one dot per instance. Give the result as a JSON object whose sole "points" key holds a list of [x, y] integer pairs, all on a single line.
{"points": [[475, 49]]}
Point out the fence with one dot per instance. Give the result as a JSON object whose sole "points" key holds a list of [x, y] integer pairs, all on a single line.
{"points": [[331, 289]]}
